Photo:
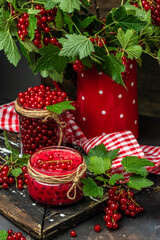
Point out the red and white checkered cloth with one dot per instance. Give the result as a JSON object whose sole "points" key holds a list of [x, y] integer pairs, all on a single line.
{"points": [[124, 140]]}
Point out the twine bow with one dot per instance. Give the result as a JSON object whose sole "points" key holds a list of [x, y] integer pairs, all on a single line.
{"points": [[44, 114]]}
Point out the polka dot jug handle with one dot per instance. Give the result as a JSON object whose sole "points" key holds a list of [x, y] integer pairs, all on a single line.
{"points": [[104, 106]]}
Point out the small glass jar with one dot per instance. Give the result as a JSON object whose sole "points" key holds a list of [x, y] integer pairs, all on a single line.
{"points": [[54, 175], [38, 132]]}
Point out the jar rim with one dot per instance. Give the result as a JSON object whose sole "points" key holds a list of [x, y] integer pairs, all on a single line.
{"points": [[63, 148]]}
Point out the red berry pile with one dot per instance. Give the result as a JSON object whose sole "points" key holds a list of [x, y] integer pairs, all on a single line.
{"points": [[35, 133], [45, 32], [39, 97], [15, 235], [120, 201], [6, 178]]}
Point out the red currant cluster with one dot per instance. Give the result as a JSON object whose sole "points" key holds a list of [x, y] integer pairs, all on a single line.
{"points": [[99, 41], [154, 6], [51, 164], [41, 96], [120, 201], [125, 75], [78, 66], [7, 179], [15, 235], [43, 33]]}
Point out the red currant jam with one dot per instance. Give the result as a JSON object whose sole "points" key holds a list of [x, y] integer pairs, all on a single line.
{"points": [[54, 162]]}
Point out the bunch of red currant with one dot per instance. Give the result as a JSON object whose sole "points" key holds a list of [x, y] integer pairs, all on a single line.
{"points": [[120, 201], [15, 235], [41, 96], [154, 6], [7, 179], [45, 32]]}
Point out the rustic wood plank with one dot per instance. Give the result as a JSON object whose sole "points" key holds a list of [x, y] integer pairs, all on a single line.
{"points": [[58, 220], [17, 206]]}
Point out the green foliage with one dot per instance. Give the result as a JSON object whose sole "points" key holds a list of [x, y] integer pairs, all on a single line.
{"points": [[77, 46], [91, 188], [136, 165], [138, 182], [3, 234], [60, 107], [103, 163], [129, 41], [7, 44], [99, 161], [51, 59], [49, 4], [114, 178], [69, 5], [32, 26], [16, 172]]}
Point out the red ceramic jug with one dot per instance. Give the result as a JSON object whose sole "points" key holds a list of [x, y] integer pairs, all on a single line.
{"points": [[104, 106]]}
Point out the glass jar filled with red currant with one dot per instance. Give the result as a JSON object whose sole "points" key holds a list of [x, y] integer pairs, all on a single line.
{"points": [[54, 175], [39, 128]]}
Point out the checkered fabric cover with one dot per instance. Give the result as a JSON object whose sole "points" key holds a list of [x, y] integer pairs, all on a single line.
{"points": [[124, 140]]}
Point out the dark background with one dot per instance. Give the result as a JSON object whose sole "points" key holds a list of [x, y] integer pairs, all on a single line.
{"points": [[16, 79]]}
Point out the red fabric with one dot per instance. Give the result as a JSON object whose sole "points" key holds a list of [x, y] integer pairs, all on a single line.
{"points": [[124, 140]]}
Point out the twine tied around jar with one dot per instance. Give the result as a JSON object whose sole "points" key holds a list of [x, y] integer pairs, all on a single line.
{"points": [[44, 114], [73, 177]]}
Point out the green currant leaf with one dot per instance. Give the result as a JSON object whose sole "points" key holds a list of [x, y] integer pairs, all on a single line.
{"points": [[91, 188], [7, 44], [69, 5], [16, 172], [53, 74], [51, 59], [99, 165], [68, 21], [86, 159], [32, 26], [125, 21], [114, 178], [102, 179], [113, 154], [77, 45], [32, 11], [29, 46], [99, 150], [50, 4], [60, 107], [138, 182], [3, 234], [59, 19], [136, 165], [87, 21], [129, 41]]}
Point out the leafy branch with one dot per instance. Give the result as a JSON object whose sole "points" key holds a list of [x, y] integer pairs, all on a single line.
{"points": [[99, 162]]}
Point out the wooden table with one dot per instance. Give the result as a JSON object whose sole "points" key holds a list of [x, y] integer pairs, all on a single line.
{"points": [[144, 227]]}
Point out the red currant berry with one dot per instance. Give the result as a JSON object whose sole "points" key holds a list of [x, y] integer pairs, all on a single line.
{"points": [[10, 231], [73, 233], [97, 228]]}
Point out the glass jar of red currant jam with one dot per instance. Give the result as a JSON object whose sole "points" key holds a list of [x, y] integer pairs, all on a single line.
{"points": [[54, 175], [39, 128]]}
